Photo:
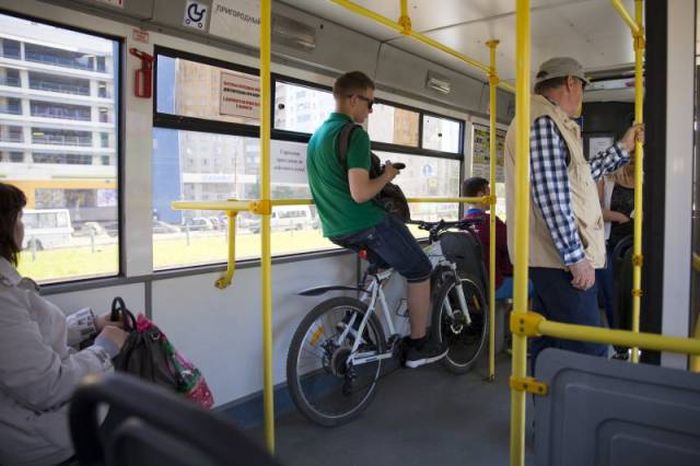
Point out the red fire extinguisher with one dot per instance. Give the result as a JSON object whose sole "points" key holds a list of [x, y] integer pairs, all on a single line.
{"points": [[143, 82]]}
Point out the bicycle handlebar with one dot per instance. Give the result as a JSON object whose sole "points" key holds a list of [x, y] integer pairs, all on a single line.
{"points": [[435, 228]]}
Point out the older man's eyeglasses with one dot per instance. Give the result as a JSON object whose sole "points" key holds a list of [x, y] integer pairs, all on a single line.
{"points": [[369, 101]]}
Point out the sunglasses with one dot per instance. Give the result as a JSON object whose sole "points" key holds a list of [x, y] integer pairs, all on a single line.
{"points": [[369, 101]]}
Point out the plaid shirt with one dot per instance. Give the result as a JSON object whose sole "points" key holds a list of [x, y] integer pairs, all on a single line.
{"points": [[549, 157]]}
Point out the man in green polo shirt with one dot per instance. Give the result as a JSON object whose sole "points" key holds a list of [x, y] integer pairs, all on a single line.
{"points": [[352, 220]]}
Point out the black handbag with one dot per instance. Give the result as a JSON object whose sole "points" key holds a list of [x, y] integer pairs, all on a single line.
{"points": [[144, 354]]}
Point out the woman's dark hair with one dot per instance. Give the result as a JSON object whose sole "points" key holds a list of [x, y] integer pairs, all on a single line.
{"points": [[473, 186], [12, 201]]}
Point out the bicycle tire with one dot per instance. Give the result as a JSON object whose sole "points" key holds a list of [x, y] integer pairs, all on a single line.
{"points": [[465, 343], [308, 388]]}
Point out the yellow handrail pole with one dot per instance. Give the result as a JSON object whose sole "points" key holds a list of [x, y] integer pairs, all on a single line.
{"points": [[401, 28], [638, 173], [266, 260], [522, 204], [649, 341], [493, 82], [626, 17]]}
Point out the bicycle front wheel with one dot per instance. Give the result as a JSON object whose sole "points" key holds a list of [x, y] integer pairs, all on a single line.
{"points": [[465, 341], [325, 387]]}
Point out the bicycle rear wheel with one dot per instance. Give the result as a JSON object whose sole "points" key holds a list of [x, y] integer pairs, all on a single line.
{"points": [[465, 342], [323, 386]]}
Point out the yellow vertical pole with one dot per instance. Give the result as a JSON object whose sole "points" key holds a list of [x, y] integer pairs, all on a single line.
{"points": [[266, 268], [404, 19], [493, 83], [522, 204], [638, 173]]}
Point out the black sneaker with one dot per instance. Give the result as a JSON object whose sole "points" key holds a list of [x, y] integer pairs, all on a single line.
{"points": [[430, 352]]}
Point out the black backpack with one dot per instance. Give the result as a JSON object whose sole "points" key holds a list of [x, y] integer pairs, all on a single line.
{"points": [[390, 198]]}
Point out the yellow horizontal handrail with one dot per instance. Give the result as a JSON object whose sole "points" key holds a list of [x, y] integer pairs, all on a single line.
{"points": [[619, 337], [401, 28], [249, 205], [626, 17], [232, 205]]}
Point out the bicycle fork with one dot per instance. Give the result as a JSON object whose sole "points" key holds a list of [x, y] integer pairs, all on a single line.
{"points": [[460, 297]]}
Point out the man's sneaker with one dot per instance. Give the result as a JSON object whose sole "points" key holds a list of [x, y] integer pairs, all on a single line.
{"points": [[430, 352]]}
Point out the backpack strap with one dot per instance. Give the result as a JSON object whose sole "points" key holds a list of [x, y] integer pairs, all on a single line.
{"points": [[343, 143]]}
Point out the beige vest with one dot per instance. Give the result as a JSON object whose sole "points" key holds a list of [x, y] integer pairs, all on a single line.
{"points": [[584, 195]]}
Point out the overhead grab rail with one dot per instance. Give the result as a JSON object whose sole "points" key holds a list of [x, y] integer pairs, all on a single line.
{"points": [[403, 26]]}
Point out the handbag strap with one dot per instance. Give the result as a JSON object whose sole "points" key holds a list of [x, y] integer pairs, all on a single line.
{"points": [[118, 306]]}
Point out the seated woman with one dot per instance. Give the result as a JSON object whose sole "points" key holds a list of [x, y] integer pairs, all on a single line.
{"points": [[39, 367]]}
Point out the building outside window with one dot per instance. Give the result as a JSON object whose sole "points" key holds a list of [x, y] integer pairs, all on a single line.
{"points": [[56, 147]]}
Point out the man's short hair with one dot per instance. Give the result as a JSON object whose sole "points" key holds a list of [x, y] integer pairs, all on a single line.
{"points": [[474, 185], [550, 84], [350, 83]]}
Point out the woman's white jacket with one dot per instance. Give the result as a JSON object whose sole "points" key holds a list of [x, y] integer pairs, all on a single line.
{"points": [[39, 370]]}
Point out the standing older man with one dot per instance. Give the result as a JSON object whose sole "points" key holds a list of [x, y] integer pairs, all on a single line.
{"points": [[566, 224]]}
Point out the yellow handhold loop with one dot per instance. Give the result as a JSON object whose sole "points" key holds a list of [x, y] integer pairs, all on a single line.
{"points": [[525, 324], [529, 384]]}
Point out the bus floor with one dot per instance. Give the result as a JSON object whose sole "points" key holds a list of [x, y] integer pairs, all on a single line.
{"points": [[425, 416]]}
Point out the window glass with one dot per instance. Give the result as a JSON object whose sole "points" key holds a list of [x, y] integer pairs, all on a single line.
{"points": [[192, 89], [393, 125], [441, 134], [197, 166], [301, 108], [71, 214], [481, 162], [427, 177]]}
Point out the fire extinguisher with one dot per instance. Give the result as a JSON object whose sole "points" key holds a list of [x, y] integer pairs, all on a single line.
{"points": [[143, 81]]}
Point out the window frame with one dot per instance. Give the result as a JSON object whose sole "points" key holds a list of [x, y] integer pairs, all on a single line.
{"points": [[120, 87], [196, 124]]}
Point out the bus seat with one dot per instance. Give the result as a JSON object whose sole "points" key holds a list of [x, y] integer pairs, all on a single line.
{"points": [[153, 426], [611, 413]]}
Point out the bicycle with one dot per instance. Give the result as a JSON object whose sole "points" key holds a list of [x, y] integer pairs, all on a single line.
{"points": [[336, 355]]}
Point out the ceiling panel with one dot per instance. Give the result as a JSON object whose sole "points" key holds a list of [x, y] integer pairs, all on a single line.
{"points": [[589, 30]]}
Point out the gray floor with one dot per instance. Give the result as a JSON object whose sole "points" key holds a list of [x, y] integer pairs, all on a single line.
{"points": [[426, 416]]}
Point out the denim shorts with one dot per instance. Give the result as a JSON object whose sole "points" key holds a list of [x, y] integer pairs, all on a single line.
{"points": [[390, 243]]}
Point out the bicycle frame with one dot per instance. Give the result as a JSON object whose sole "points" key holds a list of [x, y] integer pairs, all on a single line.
{"points": [[375, 293]]}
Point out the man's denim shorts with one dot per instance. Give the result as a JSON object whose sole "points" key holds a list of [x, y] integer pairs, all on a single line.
{"points": [[390, 243]]}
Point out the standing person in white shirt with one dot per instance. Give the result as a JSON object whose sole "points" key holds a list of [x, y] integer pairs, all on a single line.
{"points": [[39, 365]]}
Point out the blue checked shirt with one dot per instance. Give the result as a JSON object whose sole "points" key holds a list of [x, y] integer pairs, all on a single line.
{"points": [[549, 155]]}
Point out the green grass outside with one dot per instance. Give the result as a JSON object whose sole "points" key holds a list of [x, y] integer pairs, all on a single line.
{"points": [[80, 262]]}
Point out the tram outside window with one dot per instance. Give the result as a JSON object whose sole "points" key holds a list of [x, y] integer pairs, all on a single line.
{"points": [[62, 170]]}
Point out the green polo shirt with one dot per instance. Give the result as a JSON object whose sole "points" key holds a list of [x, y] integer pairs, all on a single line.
{"points": [[328, 180]]}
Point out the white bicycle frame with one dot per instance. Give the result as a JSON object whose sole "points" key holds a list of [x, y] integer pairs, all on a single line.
{"points": [[375, 293]]}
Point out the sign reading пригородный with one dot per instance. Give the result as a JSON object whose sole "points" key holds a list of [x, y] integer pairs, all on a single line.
{"points": [[236, 20]]}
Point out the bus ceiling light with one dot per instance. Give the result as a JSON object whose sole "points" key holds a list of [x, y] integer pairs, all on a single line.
{"points": [[438, 83], [292, 33]]}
